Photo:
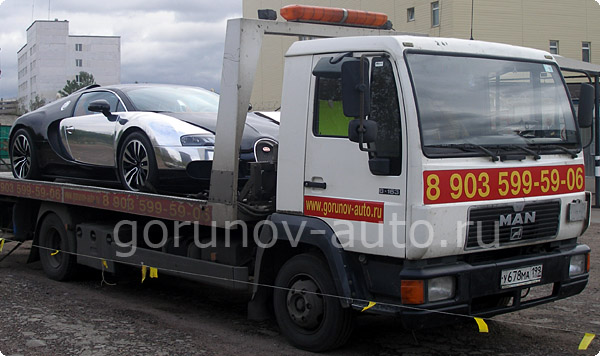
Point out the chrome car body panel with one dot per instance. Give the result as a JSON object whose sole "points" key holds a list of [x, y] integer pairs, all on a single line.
{"points": [[178, 157], [95, 140], [89, 139]]}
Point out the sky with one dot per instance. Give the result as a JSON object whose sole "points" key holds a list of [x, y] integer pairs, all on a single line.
{"points": [[176, 41]]}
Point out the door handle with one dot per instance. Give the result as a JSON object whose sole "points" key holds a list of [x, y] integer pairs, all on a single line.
{"points": [[320, 185], [69, 130]]}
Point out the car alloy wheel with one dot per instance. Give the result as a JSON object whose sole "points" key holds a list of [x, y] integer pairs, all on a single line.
{"points": [[21, 156], [135, 165]]}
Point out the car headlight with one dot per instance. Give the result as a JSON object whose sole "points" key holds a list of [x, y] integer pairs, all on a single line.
{"points": [[578, 265], [440, 288], [198, 140], [435, 289]]}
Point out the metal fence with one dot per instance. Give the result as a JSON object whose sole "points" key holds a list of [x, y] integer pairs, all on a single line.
{"points": [[8, 107]]}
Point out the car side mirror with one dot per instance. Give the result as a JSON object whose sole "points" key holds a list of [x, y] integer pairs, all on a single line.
{"points": [[355, 88], [102, 106], [369, 131], [585, 110]]}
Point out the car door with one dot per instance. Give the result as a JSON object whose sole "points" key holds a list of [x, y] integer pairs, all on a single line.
{"points": [[88, 136], [364, 204]]}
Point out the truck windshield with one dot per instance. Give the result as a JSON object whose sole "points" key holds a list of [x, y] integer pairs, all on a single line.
{"points": [[470, 106]]}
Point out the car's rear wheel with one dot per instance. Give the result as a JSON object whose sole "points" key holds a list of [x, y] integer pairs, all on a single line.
{"points": [[137, 164], [23, 156]]}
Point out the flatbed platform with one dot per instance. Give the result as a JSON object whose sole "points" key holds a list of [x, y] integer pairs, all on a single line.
{"points": [[138, 203]]}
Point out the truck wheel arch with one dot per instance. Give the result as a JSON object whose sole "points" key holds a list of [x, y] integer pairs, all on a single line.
{"points": [[312, 235]]}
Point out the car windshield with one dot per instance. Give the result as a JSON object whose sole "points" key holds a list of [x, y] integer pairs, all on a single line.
{"points": [[173, 99], [465, 103]]}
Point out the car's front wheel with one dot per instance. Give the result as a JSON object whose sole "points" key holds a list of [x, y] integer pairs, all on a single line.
{"points": [[23, 156], [137, 164]]}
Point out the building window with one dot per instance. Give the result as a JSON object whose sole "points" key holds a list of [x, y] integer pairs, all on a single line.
{"points": [[553, 47], [23, 72], [586, 51], [23, 58], [78, 47], [78, 63], [435, 14], [77, 78], [410, 14]]}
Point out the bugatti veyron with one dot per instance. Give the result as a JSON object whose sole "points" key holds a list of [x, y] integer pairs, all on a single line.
{"points": [[141, 136]]}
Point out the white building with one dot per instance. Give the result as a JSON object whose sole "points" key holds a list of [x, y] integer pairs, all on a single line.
{"points": [[52, 56]]}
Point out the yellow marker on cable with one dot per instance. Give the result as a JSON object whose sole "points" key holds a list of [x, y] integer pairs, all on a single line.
{"points": [[483, 328], [153, 272], [371, 304], [104, 264], [143, 273], [54, 253], [1, 244], [585, 342]]}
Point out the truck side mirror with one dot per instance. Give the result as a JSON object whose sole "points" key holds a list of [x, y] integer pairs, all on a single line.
{"points": [[355, 88], [586, 105], [369, 131], [100, 105]]}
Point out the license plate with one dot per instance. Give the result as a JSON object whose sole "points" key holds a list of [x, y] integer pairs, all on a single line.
{"points": [[520, 276]]}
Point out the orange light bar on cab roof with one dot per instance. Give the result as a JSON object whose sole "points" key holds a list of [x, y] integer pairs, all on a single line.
{"points": [[335, 15]]}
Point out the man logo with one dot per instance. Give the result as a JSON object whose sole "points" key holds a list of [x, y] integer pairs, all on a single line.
{"points": [[517, 219], [516, 233]]}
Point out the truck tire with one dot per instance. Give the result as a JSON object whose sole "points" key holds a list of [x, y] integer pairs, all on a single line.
{"points": [[307, 316], [57, 248]]}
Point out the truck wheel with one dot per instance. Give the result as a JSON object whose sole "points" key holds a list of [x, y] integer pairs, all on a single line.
{"points": [[308, 318], [56, 249], [23, 156], [137, 164]]}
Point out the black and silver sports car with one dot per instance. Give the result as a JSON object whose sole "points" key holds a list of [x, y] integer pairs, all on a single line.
{"points": [[140, 135]]}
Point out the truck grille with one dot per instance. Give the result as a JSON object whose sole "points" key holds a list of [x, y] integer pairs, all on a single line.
{"points": [[510, 224]]}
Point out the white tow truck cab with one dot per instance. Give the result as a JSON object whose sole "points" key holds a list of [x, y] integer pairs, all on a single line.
{"points": [[447, 173], [428, 178]]}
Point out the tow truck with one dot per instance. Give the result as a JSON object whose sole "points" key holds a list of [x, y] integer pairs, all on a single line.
{"points": [[427, 178]]}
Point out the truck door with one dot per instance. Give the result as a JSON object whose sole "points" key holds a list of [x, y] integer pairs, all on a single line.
{"points": [[363, 200]]}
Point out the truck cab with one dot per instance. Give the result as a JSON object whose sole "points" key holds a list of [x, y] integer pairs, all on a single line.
{"points": [[457, 185]]}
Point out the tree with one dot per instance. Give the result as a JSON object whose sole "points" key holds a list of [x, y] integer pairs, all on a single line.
{"points": [[36, 103], [82, 80]]}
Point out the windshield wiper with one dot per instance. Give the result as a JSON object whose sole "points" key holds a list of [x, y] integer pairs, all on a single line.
{"points": [[572, 153], [535, 155], [467, 146]]}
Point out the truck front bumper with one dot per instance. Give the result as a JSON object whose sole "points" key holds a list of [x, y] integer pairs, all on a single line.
{"points": [[478, 289]]}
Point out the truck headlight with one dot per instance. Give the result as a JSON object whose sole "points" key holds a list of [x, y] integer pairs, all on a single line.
{"points": [[578, 265], [441, 288], [198, 140]]}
